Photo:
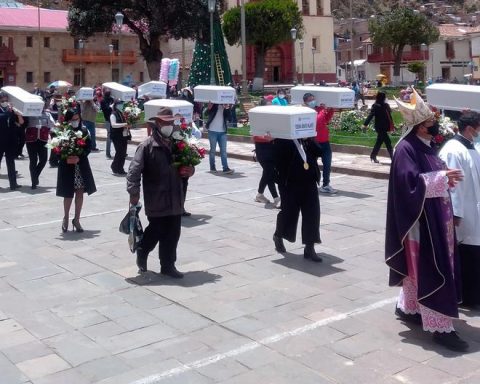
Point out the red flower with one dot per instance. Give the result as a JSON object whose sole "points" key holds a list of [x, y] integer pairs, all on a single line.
{"points": [[439, 139], [81, 143], [56, 150], [183, 126], [181, 145], [202, 152]]}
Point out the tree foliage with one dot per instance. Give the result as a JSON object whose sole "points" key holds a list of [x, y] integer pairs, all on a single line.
{"points": [[267, 23], [399, 28], [148, 19]]}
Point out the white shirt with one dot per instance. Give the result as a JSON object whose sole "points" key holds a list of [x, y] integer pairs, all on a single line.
{"points": [[217, 124]]}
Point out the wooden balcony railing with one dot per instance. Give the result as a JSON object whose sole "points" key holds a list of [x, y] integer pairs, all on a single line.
{"points": [[87, 56], [407, 56]]}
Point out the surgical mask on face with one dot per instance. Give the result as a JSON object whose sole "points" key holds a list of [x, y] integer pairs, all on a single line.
{"points": [[4, 104], [166, 131], [476, 139], [434, 130], [176, 122], [281, 96], [75, 123], [312, 104]]}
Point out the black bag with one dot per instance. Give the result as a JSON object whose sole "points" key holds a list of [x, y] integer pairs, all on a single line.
{"points": [[132, 226]]}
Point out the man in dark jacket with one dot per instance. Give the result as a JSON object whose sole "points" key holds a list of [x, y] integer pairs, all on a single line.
{"points": [[162, 192]]}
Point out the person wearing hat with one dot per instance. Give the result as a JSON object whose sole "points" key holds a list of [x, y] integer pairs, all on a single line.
{"points": [[420, 247], [162, 193]]}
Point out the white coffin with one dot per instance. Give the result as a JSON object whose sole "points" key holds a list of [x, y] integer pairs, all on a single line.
{"points": [[24, 102], [85, 93], [157, 89], [120, 91], [332, 97], [291, 122], [214, 94], [180, 107], [455, 97]]}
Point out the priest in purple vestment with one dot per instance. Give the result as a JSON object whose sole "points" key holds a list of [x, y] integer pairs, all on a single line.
{"points": [[420, 247]]}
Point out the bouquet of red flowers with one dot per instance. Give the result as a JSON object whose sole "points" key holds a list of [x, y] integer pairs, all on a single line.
{"points": [[131, 112], [186, 151], [68, 142]]}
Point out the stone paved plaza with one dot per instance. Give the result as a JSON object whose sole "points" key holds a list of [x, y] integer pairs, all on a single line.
{"points": [[74, 311]]}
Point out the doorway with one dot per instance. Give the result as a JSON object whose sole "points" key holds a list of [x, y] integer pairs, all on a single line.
{"points": [[2, 79], [276, 74]]}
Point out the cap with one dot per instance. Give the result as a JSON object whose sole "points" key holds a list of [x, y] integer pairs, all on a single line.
{"points": [[165, 114]]}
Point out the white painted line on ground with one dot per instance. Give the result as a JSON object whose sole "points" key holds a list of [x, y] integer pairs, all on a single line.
{"points": [[152, 379]]}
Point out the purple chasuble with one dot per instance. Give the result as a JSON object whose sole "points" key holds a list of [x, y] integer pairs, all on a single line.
{"points": [[438, 286]]}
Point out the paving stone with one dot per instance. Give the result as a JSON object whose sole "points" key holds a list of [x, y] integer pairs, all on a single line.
{"points": [[43, 366], [9, 373], [421, 373], [69, 376], [103, 368], [27, 351]]}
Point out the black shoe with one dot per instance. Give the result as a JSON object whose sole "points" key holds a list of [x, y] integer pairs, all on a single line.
{"points": [[451, 341], [414, 319], [15, 186], [53, 165], [374, 159], [141, 260], [187, 214], [228, 171], [109, 156], [310, 254], [172, 272], [279, 246]]}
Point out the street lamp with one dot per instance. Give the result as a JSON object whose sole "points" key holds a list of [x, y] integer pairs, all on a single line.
{"points": [[293, 33], [81, 45], [302, 44], [424, 49], [431, 53], [211, 10], [110, 49], [313, 65], [40, 80], [244, 49], [119, 22]]}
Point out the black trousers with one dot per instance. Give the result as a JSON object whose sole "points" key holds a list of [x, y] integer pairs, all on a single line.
{"points": [[185, 187], [21, 140], [166, 232], [264, 153], [10, 156], [37, 154], [296, 198], [54, 159], [120, 143], [382, 137], [470, 267]]}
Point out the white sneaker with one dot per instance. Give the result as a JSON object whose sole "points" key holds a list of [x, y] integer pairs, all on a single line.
{"points": [[328, 189], [276, 202], [260, 198]]}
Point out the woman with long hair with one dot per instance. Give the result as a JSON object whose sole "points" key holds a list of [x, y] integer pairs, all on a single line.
{"points": [[383, 124]]}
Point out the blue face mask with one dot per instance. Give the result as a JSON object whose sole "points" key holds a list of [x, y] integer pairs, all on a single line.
{"points": [[312, 104], [476, 139]]}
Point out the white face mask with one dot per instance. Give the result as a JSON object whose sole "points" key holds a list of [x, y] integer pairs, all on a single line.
{"points": [[312, 104], [59, 103], [177, 122], [166, 131], [476, 139], [75, 123], [281, 96], [4, 104]]}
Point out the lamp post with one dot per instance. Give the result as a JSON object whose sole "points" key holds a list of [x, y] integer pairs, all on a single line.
{"points": [[424, 49], [431, 53], [40, 80], [81, 45], [119, 22], [244, 49], [110, 49], [313, 66], [211, 10], [302, 44], [293, 33]]}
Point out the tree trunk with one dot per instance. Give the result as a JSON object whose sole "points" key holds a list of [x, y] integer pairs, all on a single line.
{"points": [[396, 66], [259, 69], [152, 54]]}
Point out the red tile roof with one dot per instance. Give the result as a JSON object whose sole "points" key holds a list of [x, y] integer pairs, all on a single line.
{"points": [[27, 17], [452, 30]]}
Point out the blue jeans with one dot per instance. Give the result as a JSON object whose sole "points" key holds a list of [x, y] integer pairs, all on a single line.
{"points": [[326, 157], [109, 140], [90, 125], [221, 139]]}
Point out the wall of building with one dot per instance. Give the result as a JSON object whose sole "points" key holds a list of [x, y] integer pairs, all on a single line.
{"points": [[458, 66]]}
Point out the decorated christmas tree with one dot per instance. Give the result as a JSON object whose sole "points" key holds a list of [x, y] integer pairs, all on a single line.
{"points": [[200, 70]]}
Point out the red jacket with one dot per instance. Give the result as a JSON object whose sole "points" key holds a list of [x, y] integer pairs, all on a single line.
{"points": [[324, 115]]}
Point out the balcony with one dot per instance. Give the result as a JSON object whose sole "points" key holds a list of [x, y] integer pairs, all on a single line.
{"points": [[407, 56], [87, 56]]}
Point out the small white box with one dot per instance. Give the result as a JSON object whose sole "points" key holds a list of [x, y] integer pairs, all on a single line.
{"points": [[454, 97], [156, 89], [332, 97], [85, 93], [24, 102], [120, 91], [180, 107], [291, 122], [214, 94]]}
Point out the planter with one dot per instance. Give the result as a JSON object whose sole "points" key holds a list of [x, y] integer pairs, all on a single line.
{"points": [[72, 160]]}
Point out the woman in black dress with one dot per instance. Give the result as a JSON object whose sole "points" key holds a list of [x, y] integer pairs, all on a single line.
{"points": [[75, 179]]}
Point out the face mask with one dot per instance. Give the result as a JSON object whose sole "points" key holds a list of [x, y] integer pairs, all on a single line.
{"points": [[59, 103], [281, 96], [312, 104], [434, 130], [166, 131], [120, 106], [476, 139], [176, 122], [4, 104], [75, 123]]}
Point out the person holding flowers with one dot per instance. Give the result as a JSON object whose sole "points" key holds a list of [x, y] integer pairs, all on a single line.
{"points": [[72, 144], [162, 161]]}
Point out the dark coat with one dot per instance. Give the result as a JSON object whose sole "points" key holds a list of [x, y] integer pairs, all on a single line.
{"points": [[8, 131], [66, 174], [383, 117]]}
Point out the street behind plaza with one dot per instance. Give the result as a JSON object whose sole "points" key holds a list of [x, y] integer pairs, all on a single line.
{"points": [[74, 311]]}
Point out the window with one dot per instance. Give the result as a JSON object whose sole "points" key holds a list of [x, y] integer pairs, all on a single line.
{"points": [[78, 76], [46, 77], [29, 77], [450, 50], [46, 42], [115, 75], [115, 44], [1, 41], [319, 7], [315, 44], [306, 7], [29, 41], [142, 77]]}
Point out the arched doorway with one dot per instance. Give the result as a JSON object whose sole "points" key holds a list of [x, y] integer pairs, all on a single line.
{"points": [[273, 66]]}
